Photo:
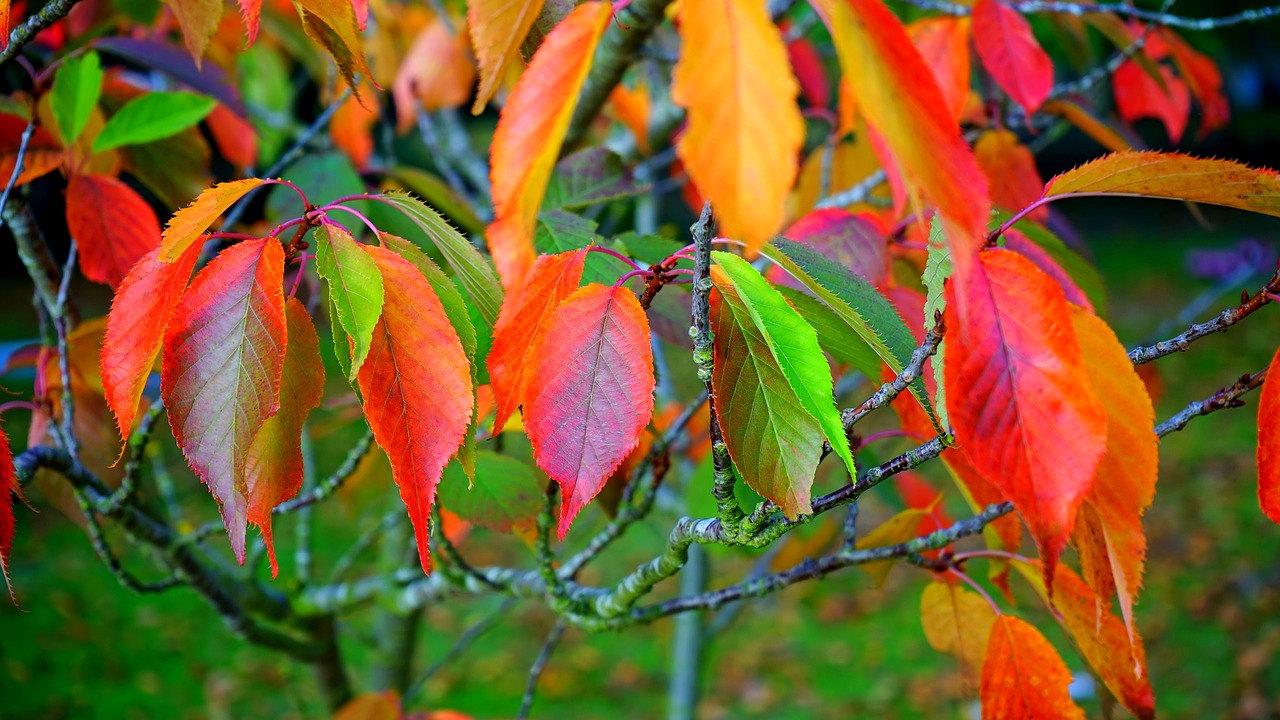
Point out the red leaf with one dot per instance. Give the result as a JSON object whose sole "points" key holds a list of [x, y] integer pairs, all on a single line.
{"points": [[1023, 677], [1203, 79], [251, 13], [1011, 54], [273, 469], [591, 392], [113, 227], [8, 487], [847, 239], [810, 72], [1016, 241], [223, 355], [1139, 96], [943, 43], [1019, 398], [236, 137], [140, 314], [1011, 171], [1269, 442], [521, 324], [416, 388]]}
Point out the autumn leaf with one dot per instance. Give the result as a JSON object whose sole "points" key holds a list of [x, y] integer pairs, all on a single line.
{"points": [[251, 14], [188, 224], [8, 488], [774, 443], [1203, 79], [504, 497], [199, 21], [894, 531], [140, 314], [436, 73], [522, 324], [1269, 442], [530, 133], [1023, 676], [590, 395], [1020, 401], [1087, 123], [943, 43], [1016, 241], [44, 152], [846, 239], [236, 137], [273, 468], [333, 25], [1011, 171], [355, 287], [497, 29], [415, 387], [223, 355], [352, 126], [742, 144], [1138, 96], [113, 227], [1011, 54], [959, 622]]}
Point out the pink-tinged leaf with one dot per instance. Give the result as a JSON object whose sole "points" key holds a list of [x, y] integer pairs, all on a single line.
{"points": [[1269, 442], [8, 488], [810, 72], [251, 13], [1139, 96], [521, 325], [416, 388], [1020, 400], [1011, 171], [188, 224], [113, 227], [273, 469], [1011, 54], [591, 392], [223, 355], [530, 133], [943, 43], [361, 8], [140, 314], [1023, 677], [844, 238], [497, 29], [1017, 242]]}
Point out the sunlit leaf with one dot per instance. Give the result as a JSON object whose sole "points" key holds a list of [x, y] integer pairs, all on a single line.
{"points": [[497, 29], [188, 224], [151, 117], [76, 88]]}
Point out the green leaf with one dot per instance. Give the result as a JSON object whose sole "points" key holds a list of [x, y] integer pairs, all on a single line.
{"points": [[438, 195], [151, 117], [589, 177], [854, 301], [505, 496], [559, 231], [341, 341], [937, 269], [475, 273], [795, 348], [355, 287], [834, 335], [454, 305], [76, 88]]}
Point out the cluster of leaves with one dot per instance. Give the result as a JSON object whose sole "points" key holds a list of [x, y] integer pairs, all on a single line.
{"points": [[1036, 398]]}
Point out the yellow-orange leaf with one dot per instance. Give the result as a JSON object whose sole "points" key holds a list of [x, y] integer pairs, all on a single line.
{"points": [[1023, 677], [742, 144], [334, 25], [530, 133], [186, 225], [959, 622], [1010, 169], [199, 21], [1088, 124], [943, 42], [897, 529], [497, 29]]}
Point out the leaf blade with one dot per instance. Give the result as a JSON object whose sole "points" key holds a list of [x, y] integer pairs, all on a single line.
{"points": [[113, 227], [151, 117], [355, 287]]}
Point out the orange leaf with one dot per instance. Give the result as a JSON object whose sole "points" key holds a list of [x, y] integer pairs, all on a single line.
{"points": [[1023, 677], [1011, 171], [1269, 442], [437, 72], [742, 144], [186, 225], [199, 22], [497, 29], [896, 530], [1018, 394], [959, 622], [273, 469], [223, 355], [112, 226], [1202, 78], [591, 392], [1086, 123], [943, 43], [1016, 241], [416, 388], [236, 137], [1139, 96], [521, 325], [632, 107], [140, 314], [530, 133], [44, 152], [1011, 54], [351, 128]]}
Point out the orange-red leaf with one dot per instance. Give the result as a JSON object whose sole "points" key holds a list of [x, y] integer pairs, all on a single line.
{"points": [[251, 13], [352, 127], [943, 42], [959, 622], [223, 355], [1202, 78], [1016, 241], [530, 133], [1023, 676], [1126, 480], [521, 324], [44, 152], [236, 137], [1138, 96], [742, 144], [113, 227], [1011, 171], [273, 469], [1269, 442], [416, 388], [140, 314], [497, 29], [437, 73], [1018, 394], [199, 21], [591, 392], [186, 225], [1011, 54]]}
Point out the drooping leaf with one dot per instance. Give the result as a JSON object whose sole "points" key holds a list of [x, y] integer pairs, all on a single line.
{"points": [[351, 126], [8, 526], [223, 355], [530, 132], [436, 73], [1269, 442], [959, 622], [1088, 123], [76, 88], [1023, 676], [590, 394], [273, 468], [525, 318], [450, 299], [112, 226], [136, 326], [834, 335], [235, 137], [897, 529], [497, 29], [943, 43], [745, 131], [1138, 96], [251, 13], [415, 387], [1011, 54], [795, 348], [355, 286], [153, 116], [188, 224], [505, 495], [199, 21], [1010, 169], [1203, 79], [773, 440], [334, 25], [1021, 404], [844, 238], [1014, 240]]}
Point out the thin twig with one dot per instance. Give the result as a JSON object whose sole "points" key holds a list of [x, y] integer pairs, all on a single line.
{"points": [[18, 164], [463, 643], [330, 484], [51, 13], [540, 664], [1228, 397], [895, 387], [1153, 16], [1248, 305]]}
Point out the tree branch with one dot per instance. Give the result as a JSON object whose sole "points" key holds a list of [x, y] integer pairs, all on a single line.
{"points": [[1224, 320], [1228, 397], [51, 13], [1153, 16], [540, 664]]}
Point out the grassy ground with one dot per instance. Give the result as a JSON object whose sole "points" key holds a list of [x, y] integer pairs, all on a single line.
{"points": [[83, 647]]}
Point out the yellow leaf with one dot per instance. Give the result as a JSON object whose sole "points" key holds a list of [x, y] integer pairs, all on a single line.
{"points": [[959, 622], [896, 530], [186, 225], [497, 29]]}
